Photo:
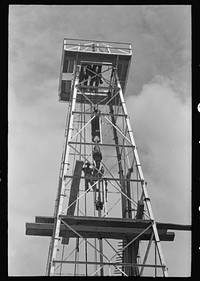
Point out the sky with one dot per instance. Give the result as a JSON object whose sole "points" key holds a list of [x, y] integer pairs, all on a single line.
{"points": [[158, 98]]}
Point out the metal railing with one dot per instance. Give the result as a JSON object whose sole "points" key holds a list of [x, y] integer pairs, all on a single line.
{"points": [[105, 47]]}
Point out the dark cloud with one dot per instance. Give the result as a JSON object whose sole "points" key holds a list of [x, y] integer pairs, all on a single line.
{"points": [[159, 36]]}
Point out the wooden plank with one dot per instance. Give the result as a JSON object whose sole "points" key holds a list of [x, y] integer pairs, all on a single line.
{"points": [[40, 219], [46, 229], [98, 221], [75, 187], [140, 209], [135, 246], [174, 226], [110, 221], [74, 191], [131, 252], [114, 230]]}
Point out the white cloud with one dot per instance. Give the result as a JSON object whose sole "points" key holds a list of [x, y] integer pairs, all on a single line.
{"points": [[162, 126], [161, 123]]}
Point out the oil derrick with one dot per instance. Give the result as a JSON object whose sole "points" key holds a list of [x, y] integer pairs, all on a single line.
{"points": [[103, 222]]}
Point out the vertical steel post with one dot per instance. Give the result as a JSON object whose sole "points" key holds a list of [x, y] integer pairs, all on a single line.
{"points": [[161, 256], [56, 231]]}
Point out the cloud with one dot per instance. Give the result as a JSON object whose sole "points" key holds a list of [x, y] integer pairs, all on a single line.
{"points": [[161, 46], [36, 34], [35, 134], [161, 123], [158, 101]]}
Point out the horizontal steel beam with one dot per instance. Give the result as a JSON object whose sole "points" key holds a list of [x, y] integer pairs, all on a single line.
{"points": [[109, 263], [107, 178], [97, 87], [99, 63], [101, 144], [101, 113], [97, 41]]}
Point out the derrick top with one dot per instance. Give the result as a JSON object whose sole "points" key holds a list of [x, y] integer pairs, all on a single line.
{"points": [[97, 47], [104, 55]]}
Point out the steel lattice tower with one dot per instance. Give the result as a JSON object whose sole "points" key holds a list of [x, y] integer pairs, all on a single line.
{"points": [[103, 222]]}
